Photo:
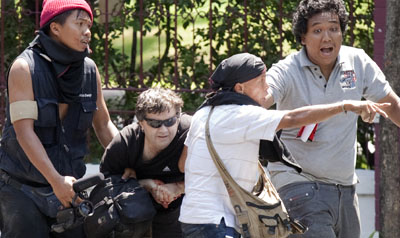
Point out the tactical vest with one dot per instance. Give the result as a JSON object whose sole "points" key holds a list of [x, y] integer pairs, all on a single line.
{"points": [[64, 141]]}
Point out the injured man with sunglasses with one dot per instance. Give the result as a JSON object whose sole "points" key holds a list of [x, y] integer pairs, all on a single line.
{"points": [[150, 150]]}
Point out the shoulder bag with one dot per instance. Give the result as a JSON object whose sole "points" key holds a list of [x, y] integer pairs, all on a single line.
{"points": [[260, 213]]}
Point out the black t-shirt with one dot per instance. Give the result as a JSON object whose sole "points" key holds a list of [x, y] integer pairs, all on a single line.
{"points": [[126, 151]]}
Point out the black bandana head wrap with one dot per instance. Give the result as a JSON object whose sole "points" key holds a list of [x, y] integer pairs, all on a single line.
{"points": [[238, 68], [67, 64]]}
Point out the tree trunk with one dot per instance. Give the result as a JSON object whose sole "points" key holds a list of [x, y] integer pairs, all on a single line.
{"points": [[389, 185]]}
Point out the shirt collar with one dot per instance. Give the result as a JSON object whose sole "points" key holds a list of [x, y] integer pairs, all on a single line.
{"points": [[304, 61]]}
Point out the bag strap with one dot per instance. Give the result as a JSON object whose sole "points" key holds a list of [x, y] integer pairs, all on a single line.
{"points": [[228, 181], [226, 177]]}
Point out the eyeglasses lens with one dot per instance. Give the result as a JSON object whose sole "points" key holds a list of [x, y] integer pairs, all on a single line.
{"points": [[158, 123]]}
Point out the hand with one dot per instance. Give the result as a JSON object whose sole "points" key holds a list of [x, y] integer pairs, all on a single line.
{"points": [[128, 173], [64, 191], [366, 109], [151, 185], [162, 193], [168, 193]]}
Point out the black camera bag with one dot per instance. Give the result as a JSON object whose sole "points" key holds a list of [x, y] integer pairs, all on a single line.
{"points": [[116, 200]]}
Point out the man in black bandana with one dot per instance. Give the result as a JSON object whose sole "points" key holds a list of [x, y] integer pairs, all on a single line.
{"points": [[54, 97], [237, 125]]}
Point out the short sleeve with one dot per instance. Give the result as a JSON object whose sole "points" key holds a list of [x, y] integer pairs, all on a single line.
{"points": [[235, 124], [116, 156], [264, 125], [376, 86], [275, 78]]}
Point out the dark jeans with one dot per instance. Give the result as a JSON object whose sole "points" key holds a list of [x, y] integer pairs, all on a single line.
{"points": [[20, 218], [164, 225], [209, 230], [328, 210], [137, 230]]}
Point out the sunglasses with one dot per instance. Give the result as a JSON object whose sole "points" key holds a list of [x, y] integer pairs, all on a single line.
{"points": [[158, 123]]}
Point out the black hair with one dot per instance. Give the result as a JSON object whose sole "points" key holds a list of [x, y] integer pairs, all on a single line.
{"points": [[157, 100], [60, 19], [308, 8]]}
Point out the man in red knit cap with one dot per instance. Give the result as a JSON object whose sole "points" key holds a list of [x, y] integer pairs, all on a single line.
{"points": [[54, 97]]}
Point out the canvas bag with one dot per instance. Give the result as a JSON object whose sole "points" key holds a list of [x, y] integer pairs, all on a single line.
{"points": [[260, 213], [117, 201]]}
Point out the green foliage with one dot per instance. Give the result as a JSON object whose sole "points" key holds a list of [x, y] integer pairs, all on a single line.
{"points": [[259, 27], [365, 139], [20, 22], [372, 234], [360, 30]]}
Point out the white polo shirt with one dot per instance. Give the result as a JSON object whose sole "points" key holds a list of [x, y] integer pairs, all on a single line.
{"points": [[295, 82], [235, 132]]}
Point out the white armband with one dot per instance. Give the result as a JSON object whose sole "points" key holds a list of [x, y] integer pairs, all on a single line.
{"points": [[23, 110]]}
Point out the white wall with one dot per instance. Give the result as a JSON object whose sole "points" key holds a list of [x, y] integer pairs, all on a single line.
{"points": [[366, 198]]}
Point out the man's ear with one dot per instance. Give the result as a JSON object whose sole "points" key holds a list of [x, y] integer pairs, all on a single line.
{"points": [[55, 28], [303, 40], [239, 88], [140, 124]]}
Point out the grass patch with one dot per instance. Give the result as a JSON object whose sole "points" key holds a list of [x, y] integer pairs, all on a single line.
{"points": [[153, 45]]}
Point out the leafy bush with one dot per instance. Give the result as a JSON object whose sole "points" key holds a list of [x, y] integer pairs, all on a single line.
{"points": [[183, 31]]}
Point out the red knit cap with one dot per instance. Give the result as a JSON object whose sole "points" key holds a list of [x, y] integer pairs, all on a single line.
{"points": [[52, 8]]}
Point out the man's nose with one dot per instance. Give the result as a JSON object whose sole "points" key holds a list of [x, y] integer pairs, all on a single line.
{"points": [[87, 32], [326, 36], [163, 127]]}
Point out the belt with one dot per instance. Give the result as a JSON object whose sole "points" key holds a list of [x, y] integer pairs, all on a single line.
{"points": [[7, 179]]}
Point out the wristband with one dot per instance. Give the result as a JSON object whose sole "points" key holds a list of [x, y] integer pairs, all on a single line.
{"points": [[344, 110]]}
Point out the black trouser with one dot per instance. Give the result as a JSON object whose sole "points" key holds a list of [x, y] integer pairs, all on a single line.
{"points": [[166, 224], [20, 217]]}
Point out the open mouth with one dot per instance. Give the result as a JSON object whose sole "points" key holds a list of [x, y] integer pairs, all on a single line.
{"points": [[326, 50], [85, 41]]}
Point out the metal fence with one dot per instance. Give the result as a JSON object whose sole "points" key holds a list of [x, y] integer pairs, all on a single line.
{"points": [[114, 22], [121, 31]]}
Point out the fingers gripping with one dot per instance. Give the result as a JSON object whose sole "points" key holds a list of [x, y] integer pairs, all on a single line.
{"points": [[369, 110]]}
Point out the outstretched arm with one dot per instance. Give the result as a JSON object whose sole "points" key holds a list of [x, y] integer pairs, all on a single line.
{"points": [[317, 113], [393, 111]]}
